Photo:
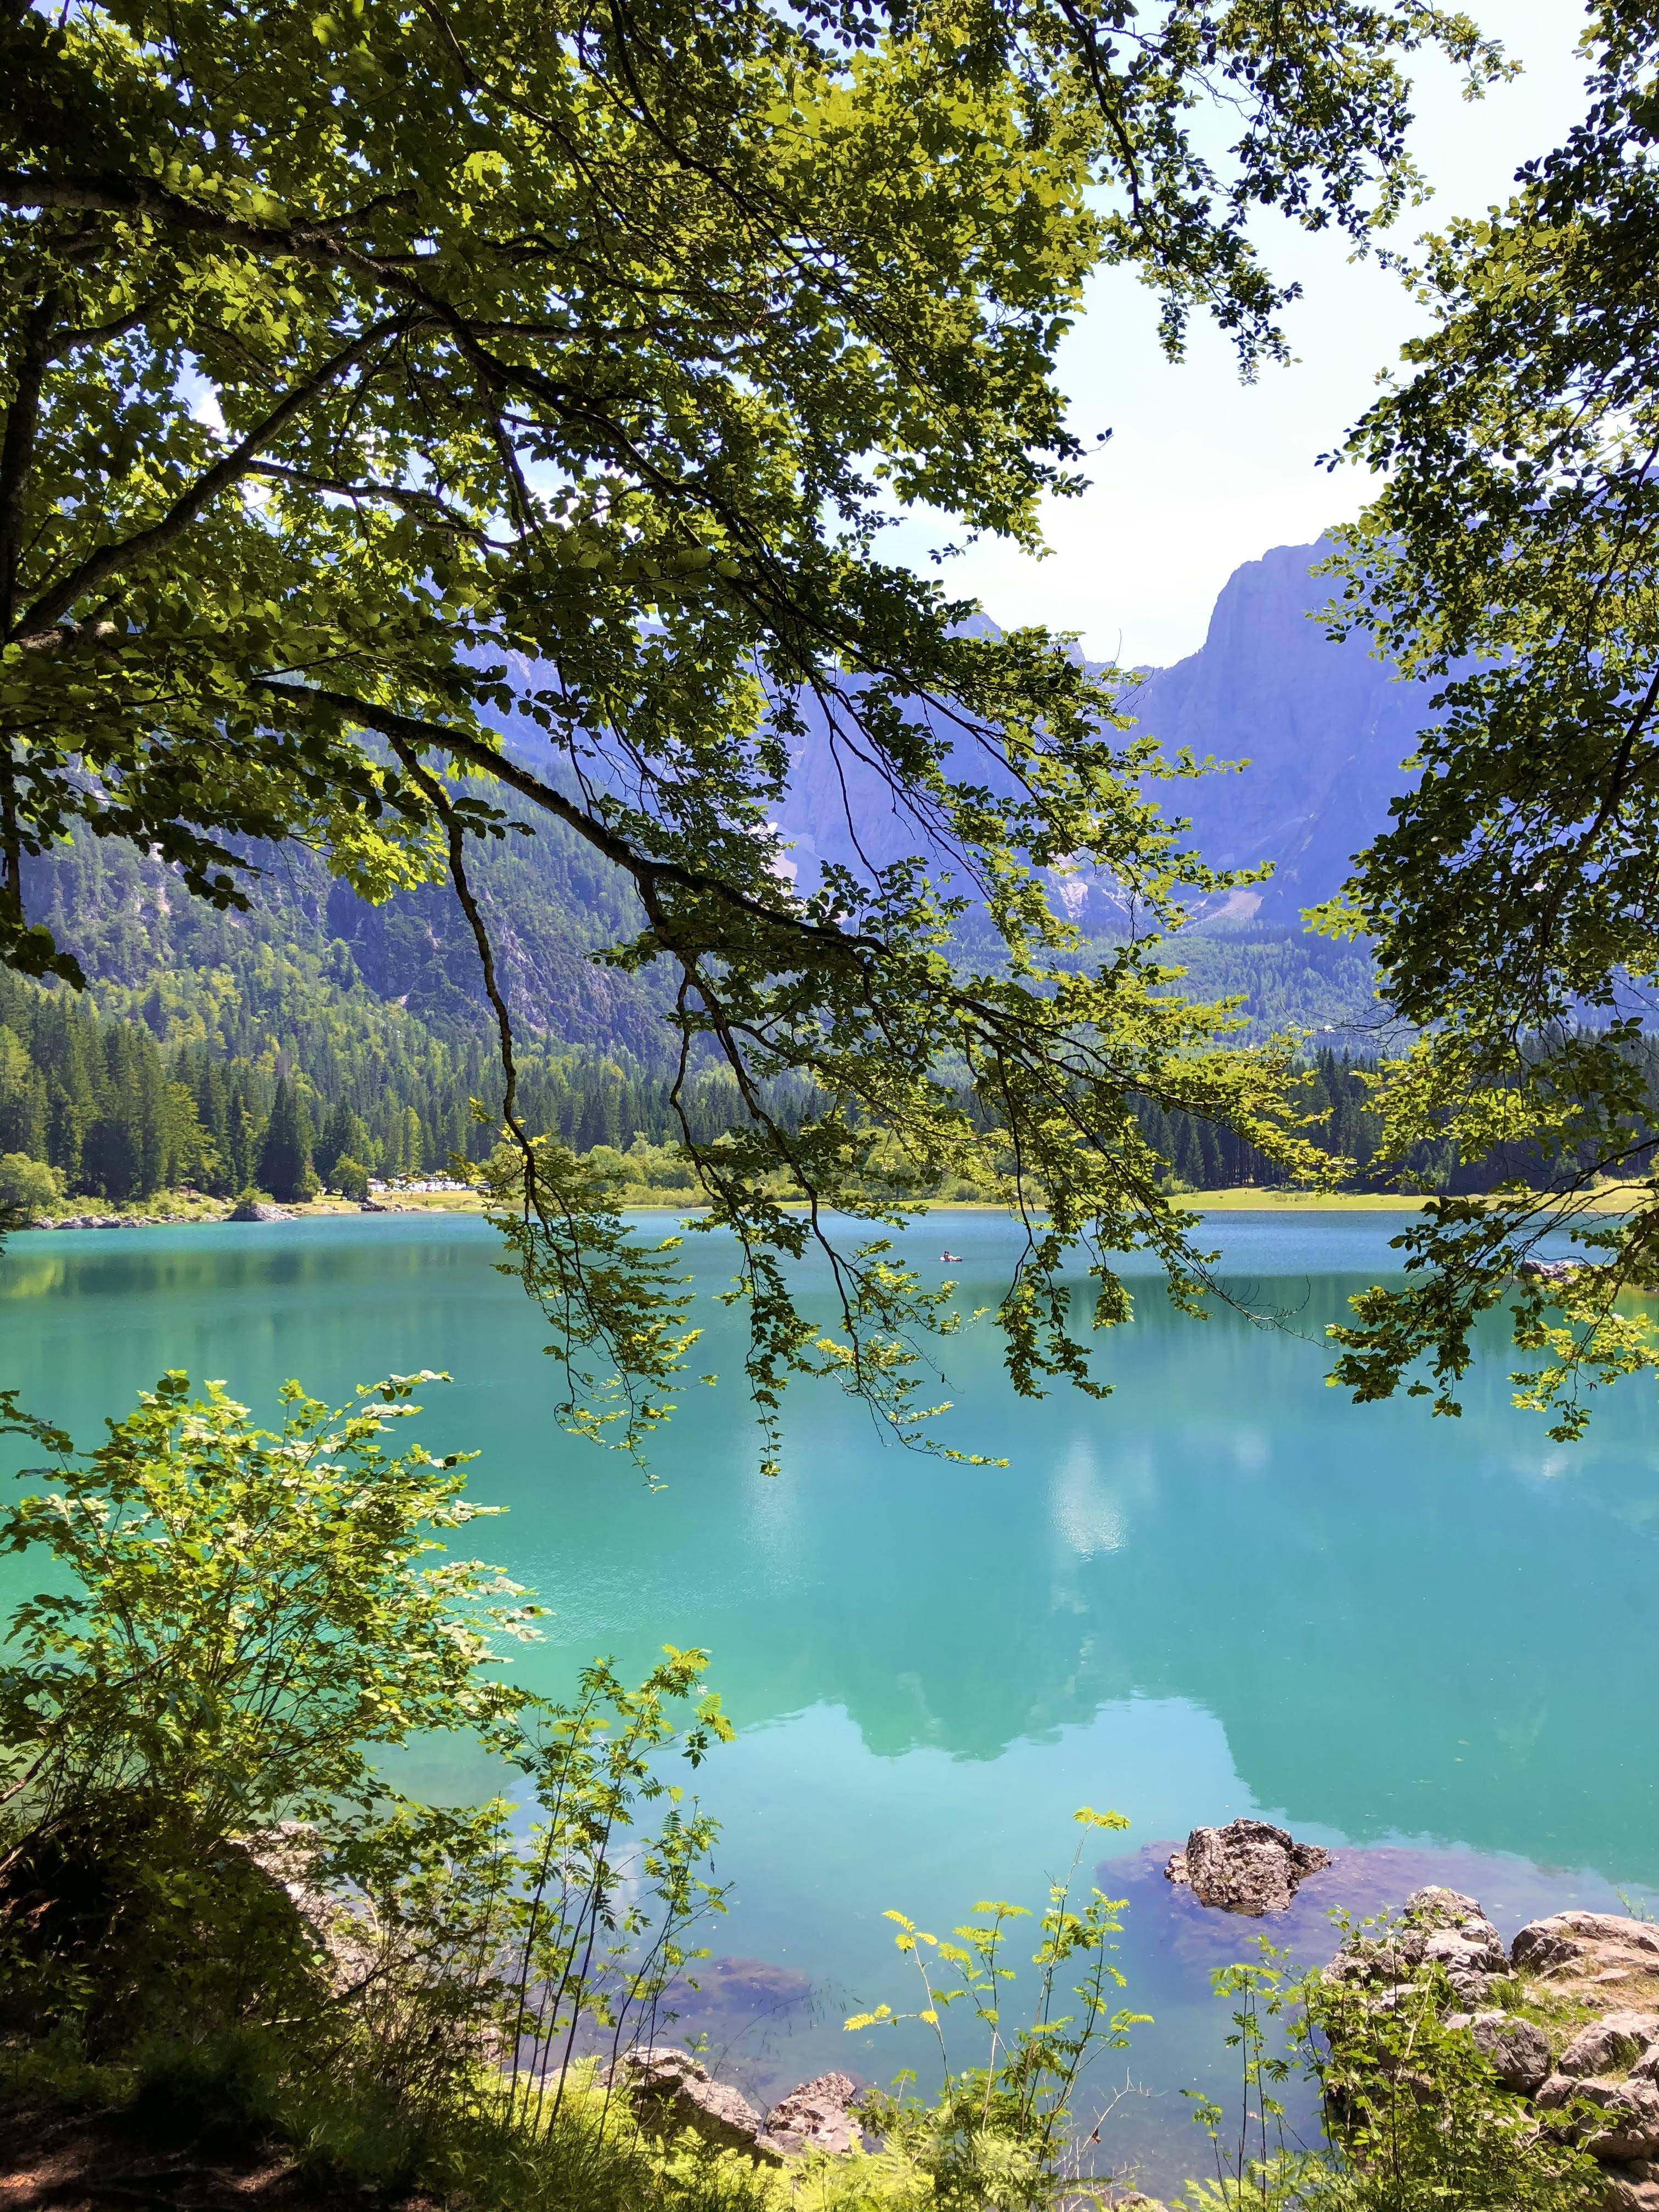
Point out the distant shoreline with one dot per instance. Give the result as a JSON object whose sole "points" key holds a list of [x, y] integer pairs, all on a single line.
{"points": [[1616, 1199]]}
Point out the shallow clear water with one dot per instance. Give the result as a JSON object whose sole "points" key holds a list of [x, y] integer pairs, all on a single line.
{"points": [[1433, 1645]]}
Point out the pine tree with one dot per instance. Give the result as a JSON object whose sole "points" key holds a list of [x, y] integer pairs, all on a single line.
{"points": [[1189, 1159], [22, 1099], [241, 1130], [285, 1168], [344, 1136]]}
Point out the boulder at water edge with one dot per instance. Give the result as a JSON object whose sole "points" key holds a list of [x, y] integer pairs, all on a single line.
{"points": [[1601, 1962], [1603, 1947], [670, 2090], [1248, 1866], [818, 2116]]}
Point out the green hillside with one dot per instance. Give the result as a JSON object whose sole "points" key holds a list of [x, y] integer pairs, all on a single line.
{"points": [[550, 902], [166, 1070], [165, 1073], [1287, 980]]}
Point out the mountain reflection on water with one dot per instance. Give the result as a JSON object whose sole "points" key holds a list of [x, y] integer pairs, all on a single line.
{"points": [[1224, 1589]]}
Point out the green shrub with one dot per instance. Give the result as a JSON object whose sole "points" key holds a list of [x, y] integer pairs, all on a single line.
{"points": [[28, 1187], [998, 2135], [240, 1621], [350, 1178], [249, 1611], [245, 1616], [1415, 2116], [1418, 2118]]}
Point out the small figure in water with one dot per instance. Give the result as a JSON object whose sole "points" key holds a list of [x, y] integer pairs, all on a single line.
{"points": [[951, 1259]]}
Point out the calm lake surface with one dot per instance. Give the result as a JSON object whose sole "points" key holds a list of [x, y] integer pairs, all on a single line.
{"points": [[1433, 1645]]}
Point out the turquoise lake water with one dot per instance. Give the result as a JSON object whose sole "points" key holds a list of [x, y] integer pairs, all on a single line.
{"points": [[1433, 1645]]}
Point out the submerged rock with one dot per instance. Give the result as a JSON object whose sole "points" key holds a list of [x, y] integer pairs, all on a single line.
{"points": [[1248, 1866]]}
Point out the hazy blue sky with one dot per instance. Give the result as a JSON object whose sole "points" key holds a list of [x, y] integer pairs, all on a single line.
{"points": [[1203, 473]]}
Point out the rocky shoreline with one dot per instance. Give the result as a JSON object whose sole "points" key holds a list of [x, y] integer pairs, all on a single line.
{"points": [[255, 1211], [1568, 2013], [670, 2090]]}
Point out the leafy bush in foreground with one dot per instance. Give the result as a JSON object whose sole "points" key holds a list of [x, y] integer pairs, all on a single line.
{"points": [[237, 1620], [1415, 2116]]}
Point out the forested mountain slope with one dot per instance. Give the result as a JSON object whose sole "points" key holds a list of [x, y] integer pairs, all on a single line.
{"points": [[167, 1072], [550, 900]]}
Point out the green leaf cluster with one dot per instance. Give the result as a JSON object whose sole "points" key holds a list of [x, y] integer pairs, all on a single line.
{"points": [[246, 1615], [1000, 2133], [1509, 561], [197, 1837]]}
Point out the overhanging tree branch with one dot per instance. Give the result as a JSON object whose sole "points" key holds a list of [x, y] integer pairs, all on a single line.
{"points": [[413, 730], [108, 561]]}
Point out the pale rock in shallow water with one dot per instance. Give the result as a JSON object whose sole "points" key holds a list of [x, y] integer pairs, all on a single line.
{"points": [[671, 2090], [818, 2116], [290, 1854], [1248, 1866]]}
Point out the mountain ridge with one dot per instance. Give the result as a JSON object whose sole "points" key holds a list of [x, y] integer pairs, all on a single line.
{"points": [[1326, 726], [1325, 729], [1323, 725]]}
